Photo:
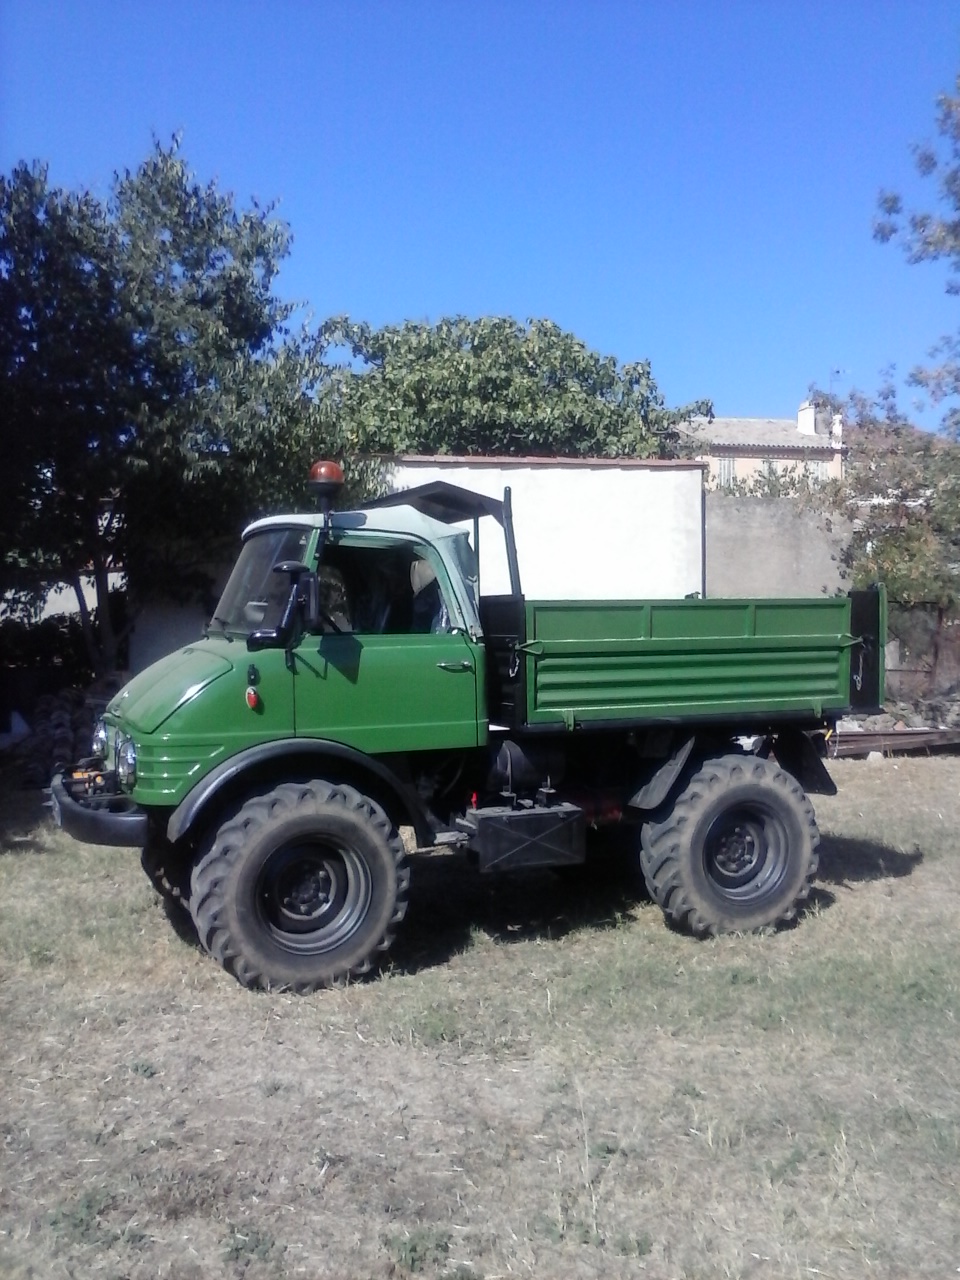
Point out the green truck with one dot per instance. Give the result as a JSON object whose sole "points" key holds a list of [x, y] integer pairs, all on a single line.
{"points": [[355, 680]]}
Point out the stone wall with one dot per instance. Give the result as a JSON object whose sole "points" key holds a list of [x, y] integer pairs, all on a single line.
{"points": [[771, 547]]}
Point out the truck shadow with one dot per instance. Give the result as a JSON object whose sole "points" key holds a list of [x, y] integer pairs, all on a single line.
{"points": [[450, 902], [845, 861]]}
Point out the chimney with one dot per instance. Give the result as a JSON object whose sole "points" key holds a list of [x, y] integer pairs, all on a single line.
{"points": [[807, 418], [836, 430]]}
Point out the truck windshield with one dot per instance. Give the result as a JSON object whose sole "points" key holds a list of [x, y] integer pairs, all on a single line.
{"points": [[255, 597]]}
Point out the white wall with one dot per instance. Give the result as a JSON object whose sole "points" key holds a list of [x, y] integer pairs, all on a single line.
{"points": [[165, 625], [771, 547], [162, 627], [592, 529]]}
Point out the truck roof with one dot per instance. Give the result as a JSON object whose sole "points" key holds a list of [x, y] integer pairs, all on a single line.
{"points": [[388, 519]]}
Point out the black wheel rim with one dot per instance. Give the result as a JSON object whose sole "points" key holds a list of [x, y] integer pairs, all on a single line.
{"points": [[313, 895], [746, 853]]}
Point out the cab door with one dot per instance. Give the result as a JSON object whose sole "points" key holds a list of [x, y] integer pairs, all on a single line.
{"points": [[384, 693]]}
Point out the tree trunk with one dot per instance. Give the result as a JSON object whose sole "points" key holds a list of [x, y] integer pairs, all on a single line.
{"points": [[108, 637], [86, 622], [100, 638]]}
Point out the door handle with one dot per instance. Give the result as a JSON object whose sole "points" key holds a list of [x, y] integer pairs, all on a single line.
{"points": [[456, 666]]}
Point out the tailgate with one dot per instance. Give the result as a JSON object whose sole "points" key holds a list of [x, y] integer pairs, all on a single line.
{"points": [[868, 625]]}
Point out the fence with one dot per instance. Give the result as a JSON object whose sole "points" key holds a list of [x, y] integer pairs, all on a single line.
{"points": [[923, 655]]}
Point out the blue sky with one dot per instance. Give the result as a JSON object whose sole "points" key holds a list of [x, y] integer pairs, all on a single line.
{"points": [[691, 182]]}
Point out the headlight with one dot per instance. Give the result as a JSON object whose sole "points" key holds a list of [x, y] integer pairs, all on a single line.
{"points": [[101, 740], [127, 763]]}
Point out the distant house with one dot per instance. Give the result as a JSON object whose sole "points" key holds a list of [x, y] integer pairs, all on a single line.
{"points": [[741, 451]]}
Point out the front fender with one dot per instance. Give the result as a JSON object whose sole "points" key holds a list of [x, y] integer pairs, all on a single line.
{"points": [[225, 777]]}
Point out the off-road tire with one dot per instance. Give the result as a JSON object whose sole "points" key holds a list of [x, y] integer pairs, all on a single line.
{"points": [[304, 888], [735, 852]]}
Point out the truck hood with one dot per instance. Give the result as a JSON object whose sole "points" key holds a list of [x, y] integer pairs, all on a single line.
{"points": [[156, 693]]}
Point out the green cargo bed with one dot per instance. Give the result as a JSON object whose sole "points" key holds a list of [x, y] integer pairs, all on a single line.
{"points": [[587, 662]]}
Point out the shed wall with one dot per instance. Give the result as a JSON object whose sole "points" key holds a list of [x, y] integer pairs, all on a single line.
{"points": [[584, 530]]}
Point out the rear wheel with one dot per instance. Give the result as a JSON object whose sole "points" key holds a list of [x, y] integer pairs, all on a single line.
{"points": [[304, 888], [737, 852]]}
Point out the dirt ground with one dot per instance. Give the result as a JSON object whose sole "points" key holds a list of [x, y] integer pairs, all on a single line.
{"points": [[546, 1081]]}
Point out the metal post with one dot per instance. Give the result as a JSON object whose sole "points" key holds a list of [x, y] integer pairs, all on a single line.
{"points": [[511, 541]]}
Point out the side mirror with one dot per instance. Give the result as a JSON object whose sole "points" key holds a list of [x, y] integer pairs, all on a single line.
{"points": [[295, 568], [307, 587], [309, 600], [303, 592]]}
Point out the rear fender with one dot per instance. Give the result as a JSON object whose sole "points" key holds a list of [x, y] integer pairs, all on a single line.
{"points": [[657, 788]]}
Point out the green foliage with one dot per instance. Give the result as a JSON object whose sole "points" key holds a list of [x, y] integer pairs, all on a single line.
{"points": [[628, 1245], [69, 378], [932, 236], [902, 486], [495, 386], [414, 1251], [54, 646], [792, 480], [247, 1244], [153, 397]]}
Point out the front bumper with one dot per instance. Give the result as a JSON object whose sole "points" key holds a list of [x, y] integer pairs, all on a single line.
{"points": [[88, 806]]}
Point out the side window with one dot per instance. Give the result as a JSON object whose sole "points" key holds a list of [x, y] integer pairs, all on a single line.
{"points": [[380, 591], [335, 610]]}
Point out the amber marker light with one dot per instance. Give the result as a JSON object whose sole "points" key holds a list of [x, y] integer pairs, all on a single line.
{"points": [[326, 481], [326, 473]]}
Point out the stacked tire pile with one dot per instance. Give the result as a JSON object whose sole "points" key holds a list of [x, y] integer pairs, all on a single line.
{"points": [[60, 732]]}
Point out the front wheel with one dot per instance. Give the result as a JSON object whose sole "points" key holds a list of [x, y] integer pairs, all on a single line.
{"points": [[304, 888], [736, 853], [167, 868]]}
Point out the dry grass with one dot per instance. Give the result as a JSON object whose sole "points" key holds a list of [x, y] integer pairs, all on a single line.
{"points": [[547, 1082]]}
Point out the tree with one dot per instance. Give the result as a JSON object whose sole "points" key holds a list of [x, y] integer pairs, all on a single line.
{"points": [[902, 487], [148, 372], [70, 381], [901, 492], [907, 494], [495, 386], [931, 236]]}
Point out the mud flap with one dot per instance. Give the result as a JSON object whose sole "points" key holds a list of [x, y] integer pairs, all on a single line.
{"points": [[796, 752]]}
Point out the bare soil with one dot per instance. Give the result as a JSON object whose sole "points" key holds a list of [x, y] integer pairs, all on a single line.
{"points": [[547, 1081]]}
